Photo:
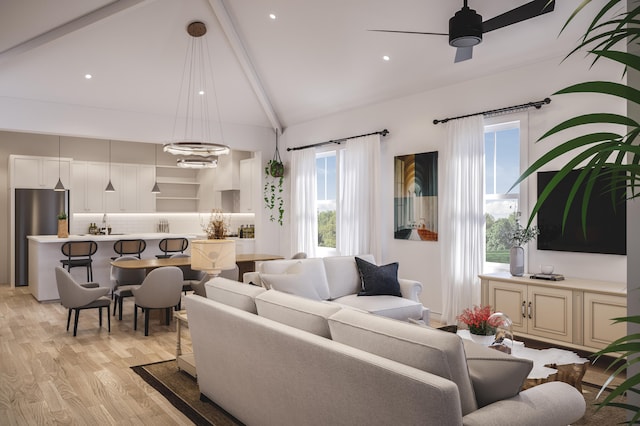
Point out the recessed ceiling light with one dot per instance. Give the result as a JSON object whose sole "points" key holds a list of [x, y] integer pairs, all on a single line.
{"points": [[88, 76], [386, 58], [272, 16], [201, 92]]}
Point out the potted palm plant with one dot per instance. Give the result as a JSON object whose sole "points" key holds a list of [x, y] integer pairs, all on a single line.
{"points": [[613, 37]]}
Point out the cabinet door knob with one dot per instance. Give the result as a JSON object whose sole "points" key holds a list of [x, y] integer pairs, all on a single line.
{"points": [[523, 308], [529, 310]]}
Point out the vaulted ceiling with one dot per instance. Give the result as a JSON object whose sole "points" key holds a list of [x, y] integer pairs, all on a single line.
{"points": [[316, 58]]}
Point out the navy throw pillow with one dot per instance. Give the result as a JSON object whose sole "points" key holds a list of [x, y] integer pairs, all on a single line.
{"points": [[378, 280]]}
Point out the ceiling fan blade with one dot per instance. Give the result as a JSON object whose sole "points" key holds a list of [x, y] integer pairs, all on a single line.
{"points": [[526, 11], [463, 53], [407, 32]]}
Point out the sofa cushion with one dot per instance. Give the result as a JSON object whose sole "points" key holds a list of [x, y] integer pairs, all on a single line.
{"points": [[233, 293], [387, 306], [378, 280], [343, 277], [495, 375], [310, 271], [295, 311], [293, 282], [435, 351]]}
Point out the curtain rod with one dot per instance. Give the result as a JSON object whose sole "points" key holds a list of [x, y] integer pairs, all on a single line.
{"points": [[383, 132], [536, 105]]}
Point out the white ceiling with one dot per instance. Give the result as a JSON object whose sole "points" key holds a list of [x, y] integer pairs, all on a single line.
{"points": [[315, 59]]}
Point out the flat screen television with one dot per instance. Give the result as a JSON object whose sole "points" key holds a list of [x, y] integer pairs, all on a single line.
{"points": [[606, 224]]}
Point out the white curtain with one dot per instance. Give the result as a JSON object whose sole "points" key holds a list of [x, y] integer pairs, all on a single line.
{"points": [[462, 224], [304, 215], [359, 214]]}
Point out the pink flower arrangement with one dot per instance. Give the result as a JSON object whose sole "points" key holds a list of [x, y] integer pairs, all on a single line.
{"points": [[476, 320]]}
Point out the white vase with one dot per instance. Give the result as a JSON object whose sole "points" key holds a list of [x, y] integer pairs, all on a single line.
{"points": [[516, 261], [484, 340]]}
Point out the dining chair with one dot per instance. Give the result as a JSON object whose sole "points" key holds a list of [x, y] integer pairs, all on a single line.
{"points": [[129, 248], [189, 276], [123, 281], [78, 254], [161, 289], [170, 246], [75, 296]]}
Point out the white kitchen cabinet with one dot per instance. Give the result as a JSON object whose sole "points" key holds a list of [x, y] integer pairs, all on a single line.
{"points": [[132, 184], [89, 180], [39, 172], [573, 312], [228, 170], [249, 184]]}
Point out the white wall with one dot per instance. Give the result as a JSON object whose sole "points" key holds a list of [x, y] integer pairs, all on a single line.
{"points": [[410, 119]]}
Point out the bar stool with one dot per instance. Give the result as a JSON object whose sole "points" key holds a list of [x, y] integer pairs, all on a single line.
{"points": [[129, 248], [79, 254], [171, 246]]}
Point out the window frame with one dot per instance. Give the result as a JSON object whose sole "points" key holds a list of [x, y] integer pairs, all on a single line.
{"points": [[326, 151], [503, 122]]}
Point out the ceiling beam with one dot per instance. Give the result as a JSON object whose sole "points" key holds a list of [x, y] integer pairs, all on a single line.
{"points": [[220, 10], [69, 27]]}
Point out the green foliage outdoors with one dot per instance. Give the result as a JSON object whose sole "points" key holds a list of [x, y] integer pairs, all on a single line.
{"points": [[327, 228], [499, 233]]}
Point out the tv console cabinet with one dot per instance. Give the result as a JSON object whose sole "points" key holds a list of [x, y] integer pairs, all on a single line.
{"points": [[574, 312]]}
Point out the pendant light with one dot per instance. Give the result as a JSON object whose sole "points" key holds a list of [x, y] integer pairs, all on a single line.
{"points": [[59, 186], [109, 187], [195, 138], [156, 188]]}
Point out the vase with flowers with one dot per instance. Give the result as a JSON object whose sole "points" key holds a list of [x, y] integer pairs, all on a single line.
{"points": [[477, 320], [518, 238]]}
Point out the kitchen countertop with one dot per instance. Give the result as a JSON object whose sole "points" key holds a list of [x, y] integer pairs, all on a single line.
{"points": [[112, 237]]}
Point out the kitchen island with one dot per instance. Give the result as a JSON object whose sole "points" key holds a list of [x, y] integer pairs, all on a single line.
{"points": [[45, 254]]}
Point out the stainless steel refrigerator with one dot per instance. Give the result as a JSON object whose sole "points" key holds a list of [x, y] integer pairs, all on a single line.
{"points": [[36, 213]]}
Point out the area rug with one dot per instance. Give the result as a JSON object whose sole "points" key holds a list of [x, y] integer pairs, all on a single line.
{"points": [[181, 390]]}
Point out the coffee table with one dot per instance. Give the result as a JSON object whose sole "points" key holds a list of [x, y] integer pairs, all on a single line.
{"points": [[549, 365]]}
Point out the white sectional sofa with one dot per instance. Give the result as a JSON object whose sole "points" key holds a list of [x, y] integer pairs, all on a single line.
{"points": [[270, 358], [336, 279]]}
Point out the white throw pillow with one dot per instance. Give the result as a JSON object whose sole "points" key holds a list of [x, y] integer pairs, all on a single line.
{"points": [[293, 282]]}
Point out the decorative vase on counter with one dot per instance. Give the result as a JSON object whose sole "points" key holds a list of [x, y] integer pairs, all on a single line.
{"points": [[516, 261], [63, 228]]}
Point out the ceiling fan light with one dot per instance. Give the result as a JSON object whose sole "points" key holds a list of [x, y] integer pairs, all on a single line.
{"points": [[465, 28]]}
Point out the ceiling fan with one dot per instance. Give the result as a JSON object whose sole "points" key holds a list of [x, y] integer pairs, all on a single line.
{"points": [[466, 26]]}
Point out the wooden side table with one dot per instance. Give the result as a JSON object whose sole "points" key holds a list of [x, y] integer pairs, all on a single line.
{"points": [[186, 362]]}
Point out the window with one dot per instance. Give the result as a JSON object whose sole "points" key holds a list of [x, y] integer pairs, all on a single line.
{"points": [[503, 160], [327, 179]]}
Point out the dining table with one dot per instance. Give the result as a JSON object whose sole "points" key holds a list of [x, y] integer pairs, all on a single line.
{"points": [[245, 261]]}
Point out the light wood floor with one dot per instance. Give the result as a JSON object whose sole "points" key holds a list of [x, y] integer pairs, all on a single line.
{"points": [[47, 376]]}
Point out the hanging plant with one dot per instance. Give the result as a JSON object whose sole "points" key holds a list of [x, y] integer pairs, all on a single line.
{"points": [[273, 186]]}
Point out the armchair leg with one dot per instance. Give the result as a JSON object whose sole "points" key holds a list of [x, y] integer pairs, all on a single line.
{"points": [[120, 300], [68, 319], [100, 316], [167, 316], [146, 321], [108, 319], [75, 323], [135, 317], [115, 303]]}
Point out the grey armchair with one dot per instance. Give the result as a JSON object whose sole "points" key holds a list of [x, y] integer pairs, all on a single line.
{"points": [[75, 296], [189, 276], [161, 289], [123, 281]]}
